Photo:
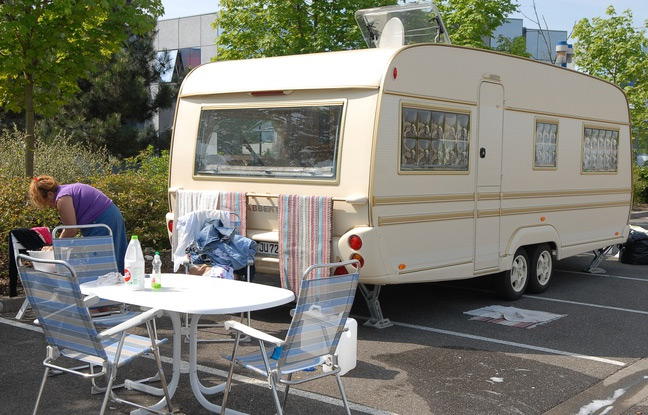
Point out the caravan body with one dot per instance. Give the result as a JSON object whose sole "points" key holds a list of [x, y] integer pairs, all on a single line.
{"points": [[444, 160]]}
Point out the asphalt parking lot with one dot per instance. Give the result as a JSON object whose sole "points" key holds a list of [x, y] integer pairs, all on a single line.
{"points": [[434, 360]]}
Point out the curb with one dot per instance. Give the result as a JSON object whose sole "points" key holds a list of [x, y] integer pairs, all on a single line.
{"points": [[639, 214], [10, 304]]}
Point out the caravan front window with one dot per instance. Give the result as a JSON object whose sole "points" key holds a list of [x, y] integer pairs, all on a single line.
{"points": [[279, 142]]}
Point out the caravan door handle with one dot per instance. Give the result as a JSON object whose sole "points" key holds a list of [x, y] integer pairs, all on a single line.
{"points": [[482, 152]]}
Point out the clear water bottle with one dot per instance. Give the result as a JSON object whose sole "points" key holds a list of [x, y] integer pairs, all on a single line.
{"points": [[156, 272], [134, 265]]}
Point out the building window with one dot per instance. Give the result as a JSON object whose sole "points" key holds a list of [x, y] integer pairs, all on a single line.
{"points": [[546, 144], [600, 149], [434, 140]]}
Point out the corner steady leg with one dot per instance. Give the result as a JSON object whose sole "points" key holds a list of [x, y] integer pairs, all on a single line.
{"points": [[599, 256], [376, 319]]}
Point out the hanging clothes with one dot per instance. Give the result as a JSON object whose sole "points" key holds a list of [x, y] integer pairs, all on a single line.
{"points": [[217, 244]]}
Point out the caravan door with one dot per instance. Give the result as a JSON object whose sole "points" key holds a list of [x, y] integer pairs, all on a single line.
{"points": [[489, 176]]}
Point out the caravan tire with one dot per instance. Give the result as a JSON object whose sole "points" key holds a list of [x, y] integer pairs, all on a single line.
{"points": [[513, 282], [541, 269]]}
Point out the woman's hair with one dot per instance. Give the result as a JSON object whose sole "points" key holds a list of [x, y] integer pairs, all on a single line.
{"points": [[39, 188]]}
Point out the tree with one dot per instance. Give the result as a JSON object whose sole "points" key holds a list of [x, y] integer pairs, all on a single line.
{"points": [[258, 28], [516, 46], [116, 101], [47, 45], [613, 48], [471, 22]]}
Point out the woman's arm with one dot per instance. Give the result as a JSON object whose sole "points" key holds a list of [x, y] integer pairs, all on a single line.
{"points": [[67, 213]]}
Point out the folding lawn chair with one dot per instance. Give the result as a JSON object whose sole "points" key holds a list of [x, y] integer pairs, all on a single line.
{"points": [[318, 322], [92, 257], [69, 330]]}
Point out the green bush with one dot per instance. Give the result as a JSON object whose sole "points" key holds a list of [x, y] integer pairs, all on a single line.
{"points": [[640, 184], [56, 155], [142, 196]]}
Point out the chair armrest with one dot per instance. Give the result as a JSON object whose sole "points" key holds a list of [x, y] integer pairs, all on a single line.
{"points": [[257, 334], [130, 323], [91, 300]]}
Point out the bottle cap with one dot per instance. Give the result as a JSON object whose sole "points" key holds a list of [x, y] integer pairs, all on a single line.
{"points": [[157, 253], [134, 237]]}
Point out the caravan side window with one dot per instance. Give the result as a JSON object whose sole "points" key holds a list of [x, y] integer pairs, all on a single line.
{"points": [[546, 144], [434, 140], [600, 150]]}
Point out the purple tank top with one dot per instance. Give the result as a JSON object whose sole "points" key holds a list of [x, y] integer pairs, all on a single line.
{"points": [[88, 202]]}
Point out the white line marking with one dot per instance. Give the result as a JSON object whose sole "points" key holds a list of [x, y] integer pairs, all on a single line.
{"points": [[240, 378], [607, 307], [480, 290], [602, 275], [508, 343]]}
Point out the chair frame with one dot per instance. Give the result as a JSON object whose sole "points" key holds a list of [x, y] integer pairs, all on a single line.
{"points": [[109, 369], [274, 376]]}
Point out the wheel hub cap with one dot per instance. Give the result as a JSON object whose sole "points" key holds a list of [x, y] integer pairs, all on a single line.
{"points": [[518, 273]]}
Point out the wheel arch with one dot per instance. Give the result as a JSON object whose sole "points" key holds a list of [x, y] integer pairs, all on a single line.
{"points": [[532, 235]]}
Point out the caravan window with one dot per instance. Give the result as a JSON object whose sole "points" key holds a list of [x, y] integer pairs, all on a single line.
{"points": [[434, 140], [546, 143], [281, 142], [600, 149]]}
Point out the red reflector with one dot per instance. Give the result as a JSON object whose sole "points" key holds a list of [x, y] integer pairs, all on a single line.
{"points": [[340, 271], [395, 73], [266, 93], [359, 258], [170, 226], [355, 242]]}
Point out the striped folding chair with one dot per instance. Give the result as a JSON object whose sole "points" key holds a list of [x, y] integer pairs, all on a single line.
{"points": [[69, 330], [318, 321], [92, 257]]}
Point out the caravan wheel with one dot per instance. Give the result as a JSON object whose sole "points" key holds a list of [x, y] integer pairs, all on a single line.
{"points": [[541, 269], [513, 282]]}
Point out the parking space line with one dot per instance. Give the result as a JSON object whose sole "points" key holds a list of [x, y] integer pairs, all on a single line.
{"points": [[239, 378], [602, 275], [508, 343], [607, 307]]}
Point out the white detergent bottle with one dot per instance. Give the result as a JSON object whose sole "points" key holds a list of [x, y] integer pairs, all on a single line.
{"points": [[134, 265]]}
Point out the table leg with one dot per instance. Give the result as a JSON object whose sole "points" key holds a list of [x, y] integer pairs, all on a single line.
{"points": [[175, 377], [198, 388]]}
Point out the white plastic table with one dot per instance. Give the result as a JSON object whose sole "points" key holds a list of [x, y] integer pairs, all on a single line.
{"points": [[195, 295]]}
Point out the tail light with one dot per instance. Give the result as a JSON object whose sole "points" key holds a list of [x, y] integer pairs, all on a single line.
{"points": [[340, 271], [359, 258], [355, 242], [170, 226]]}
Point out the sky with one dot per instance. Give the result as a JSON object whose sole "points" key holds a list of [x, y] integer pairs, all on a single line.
{"points": [[559, 14]]}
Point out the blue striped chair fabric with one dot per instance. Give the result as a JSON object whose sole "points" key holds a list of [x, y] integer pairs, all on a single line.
{"points": [[92, 257], [322, 309], [58, 302]]}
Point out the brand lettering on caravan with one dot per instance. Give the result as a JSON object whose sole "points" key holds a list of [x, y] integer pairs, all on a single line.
{"points": [[263, 208]]}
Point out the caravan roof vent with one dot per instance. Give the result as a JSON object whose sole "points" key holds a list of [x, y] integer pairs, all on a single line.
{"points": [[393, 26]]}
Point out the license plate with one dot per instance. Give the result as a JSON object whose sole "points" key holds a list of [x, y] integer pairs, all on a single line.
{"points": [[267, 248]]}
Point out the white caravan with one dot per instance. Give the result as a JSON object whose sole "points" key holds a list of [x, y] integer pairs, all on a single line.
{"points": [[443, 162]]}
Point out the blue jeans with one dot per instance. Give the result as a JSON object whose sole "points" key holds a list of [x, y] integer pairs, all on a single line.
{"points": [[113, 218]]}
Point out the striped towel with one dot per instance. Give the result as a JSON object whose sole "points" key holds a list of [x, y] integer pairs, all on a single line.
{"points": [[235, 202], [305, 232]]}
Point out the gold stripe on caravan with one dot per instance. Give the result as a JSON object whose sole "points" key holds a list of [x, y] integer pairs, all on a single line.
{"points": [[559, 208], [397, 220], [432, 98], [488, 196], [557, 115], [488, 213], [563, 193], [398, 200]]}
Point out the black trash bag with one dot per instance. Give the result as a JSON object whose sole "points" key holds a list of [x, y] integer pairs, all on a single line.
{"points": [[635, 250]]}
